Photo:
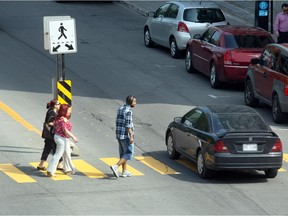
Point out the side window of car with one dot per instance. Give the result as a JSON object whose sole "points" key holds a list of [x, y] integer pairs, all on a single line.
{"points": [[266, 58], [173, 11], [198, 120], [283, 64], [162, 11], [207, 34], [215, 38]]}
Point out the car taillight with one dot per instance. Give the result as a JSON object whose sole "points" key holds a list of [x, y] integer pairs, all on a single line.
{"points": [[219, 146], [227, 58], [286, 89], [182, 27], [277, 146]]}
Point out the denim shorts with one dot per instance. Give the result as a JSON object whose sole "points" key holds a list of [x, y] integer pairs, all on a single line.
{"points": [[126, 150]]}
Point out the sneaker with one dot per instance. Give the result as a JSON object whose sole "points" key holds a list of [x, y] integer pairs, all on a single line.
{"points": [[115, 169], [126, 173]]}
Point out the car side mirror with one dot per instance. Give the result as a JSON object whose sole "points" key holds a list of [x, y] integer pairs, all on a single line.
{"points": [[196, 36], [254, 61], [178, 120]]}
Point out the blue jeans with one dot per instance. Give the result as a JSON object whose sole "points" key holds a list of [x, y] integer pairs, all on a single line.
{"points": [[126, 150]]}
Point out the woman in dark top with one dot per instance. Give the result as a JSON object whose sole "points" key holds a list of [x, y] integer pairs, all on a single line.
{"points": [[53, 107]]}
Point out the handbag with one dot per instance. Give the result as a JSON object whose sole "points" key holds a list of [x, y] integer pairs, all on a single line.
{"points": [[75, 151], [46, 132]]}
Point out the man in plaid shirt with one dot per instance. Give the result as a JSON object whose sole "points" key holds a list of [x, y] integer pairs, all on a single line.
{"points": [[125, 136]]}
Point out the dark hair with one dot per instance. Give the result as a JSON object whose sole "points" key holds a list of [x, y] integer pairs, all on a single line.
{"points": [[284, 5], [51, 103], [62, 112], [129, 99]]}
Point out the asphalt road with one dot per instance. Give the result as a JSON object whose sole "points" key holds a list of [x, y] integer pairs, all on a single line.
{"points": [[111, 63]]}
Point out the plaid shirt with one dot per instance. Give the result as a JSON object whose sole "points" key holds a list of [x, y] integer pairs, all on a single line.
{"points": [[123, 121]]}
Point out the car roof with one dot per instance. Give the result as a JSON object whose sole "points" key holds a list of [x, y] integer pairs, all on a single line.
{"points": [[195, 4], [229, 109], [238, 29], [283, 47]]}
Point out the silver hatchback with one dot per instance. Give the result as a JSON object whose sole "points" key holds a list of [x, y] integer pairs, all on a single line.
{"points": [[174, 23]]}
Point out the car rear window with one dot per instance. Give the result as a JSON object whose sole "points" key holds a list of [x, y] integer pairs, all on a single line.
{"points": [[247, 41], [202, 15], [229, 122]]}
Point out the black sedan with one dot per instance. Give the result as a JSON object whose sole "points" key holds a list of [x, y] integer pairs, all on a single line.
{"points": [[225, 137]]}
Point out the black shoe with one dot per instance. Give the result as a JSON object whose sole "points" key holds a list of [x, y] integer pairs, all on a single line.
{"points": [[41, 168]]}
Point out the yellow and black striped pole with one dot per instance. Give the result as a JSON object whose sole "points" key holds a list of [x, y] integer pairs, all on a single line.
{"points": [[64, 89]]}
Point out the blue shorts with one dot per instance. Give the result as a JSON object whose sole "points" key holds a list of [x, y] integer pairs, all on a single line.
{"points": [[126, 150]]}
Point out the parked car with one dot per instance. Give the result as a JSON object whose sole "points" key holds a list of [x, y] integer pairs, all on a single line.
{"points": [[223, 53], [174, 23], [267, 81], [225, 137]]}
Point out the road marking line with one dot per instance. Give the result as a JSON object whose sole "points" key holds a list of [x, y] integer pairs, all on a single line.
{"points": [[16, 174], [156, 165], [281, 170], [188, 164], [112, 161], [60, 176], [18, 118], [285, 158], [88, 169]]}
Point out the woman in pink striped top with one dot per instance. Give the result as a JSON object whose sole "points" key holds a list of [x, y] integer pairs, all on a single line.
{"points": [[63, 132]]}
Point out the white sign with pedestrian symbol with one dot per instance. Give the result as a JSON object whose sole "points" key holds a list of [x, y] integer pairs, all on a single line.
{"points": [[62, 34]]}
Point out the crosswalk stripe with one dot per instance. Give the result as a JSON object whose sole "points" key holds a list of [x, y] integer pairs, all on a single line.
{"points": [[156, 165], [88, 169], [281, 170], [285, 158], [60, 176], [188, 164], [15, 173], [112, 161]]}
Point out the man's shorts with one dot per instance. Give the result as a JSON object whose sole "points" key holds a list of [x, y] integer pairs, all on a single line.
{"points": [[126, 150]]}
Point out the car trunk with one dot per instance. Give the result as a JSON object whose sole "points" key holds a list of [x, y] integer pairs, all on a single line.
{"points": [[249, 143], [243, 56]]}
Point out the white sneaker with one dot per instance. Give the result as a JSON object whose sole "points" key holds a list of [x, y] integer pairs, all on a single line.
{"points": [[126, 173], [115, 169]]}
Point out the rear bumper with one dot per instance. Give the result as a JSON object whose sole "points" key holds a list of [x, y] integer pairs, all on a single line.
{"points": [[234, 73], [226, 161]]}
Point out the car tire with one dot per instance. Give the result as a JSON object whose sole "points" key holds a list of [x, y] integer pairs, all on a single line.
{"points": [[147, 38], [214, 81], [171, 150], [249, 96], [174, 50], [203, 171], [277, 114], [188, 62], [271, 173]]}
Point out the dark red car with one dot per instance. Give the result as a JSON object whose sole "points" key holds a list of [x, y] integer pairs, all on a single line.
{"points": [[223, 53]]}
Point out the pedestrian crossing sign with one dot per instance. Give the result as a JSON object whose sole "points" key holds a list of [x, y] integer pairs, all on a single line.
{"points": [[62, 35]]}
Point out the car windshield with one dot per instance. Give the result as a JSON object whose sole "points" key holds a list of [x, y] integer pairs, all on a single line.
{"points": [[228, 122], [201, 15], [246, 41]]}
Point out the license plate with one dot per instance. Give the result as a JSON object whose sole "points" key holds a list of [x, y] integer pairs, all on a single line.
{"points": [[250, 147]]}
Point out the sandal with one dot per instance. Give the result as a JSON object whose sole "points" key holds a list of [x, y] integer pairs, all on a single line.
{"points": [[41, 168], [60, 168]]}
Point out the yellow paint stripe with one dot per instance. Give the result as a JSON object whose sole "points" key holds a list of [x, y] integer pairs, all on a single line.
{"points": [[188, 164], [281, 170], [16, 174], [60, 176], [156, 165], [88, 169], [112, 161], [285, 157], [18, 118], [65, 91]]}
